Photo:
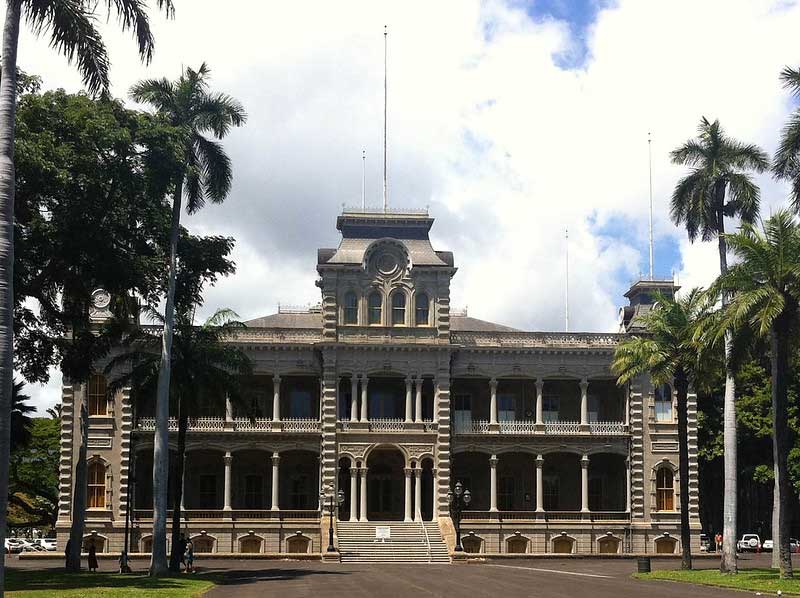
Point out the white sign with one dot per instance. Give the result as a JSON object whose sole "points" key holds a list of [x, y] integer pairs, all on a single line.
{"points": [[383, 533]]}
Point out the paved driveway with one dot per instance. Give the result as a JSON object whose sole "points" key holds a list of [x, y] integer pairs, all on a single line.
{"points": [[507, 579]]}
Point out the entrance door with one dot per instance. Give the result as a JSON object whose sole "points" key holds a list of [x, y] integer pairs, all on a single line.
{"points": [[385, 491], [380, 496]]}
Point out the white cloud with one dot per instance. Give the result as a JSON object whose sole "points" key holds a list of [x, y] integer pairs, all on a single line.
{"points": [[507, 148]]}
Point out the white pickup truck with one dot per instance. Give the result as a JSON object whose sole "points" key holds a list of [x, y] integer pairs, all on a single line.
{"points": [[751, 542]]}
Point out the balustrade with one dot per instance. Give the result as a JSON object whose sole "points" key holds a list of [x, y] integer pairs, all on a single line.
{"points": [[387, 425]]}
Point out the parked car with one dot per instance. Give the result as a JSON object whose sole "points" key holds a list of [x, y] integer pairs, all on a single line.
{"points": [[749, 542], [48, 544], [13, 545], [767, 546]]}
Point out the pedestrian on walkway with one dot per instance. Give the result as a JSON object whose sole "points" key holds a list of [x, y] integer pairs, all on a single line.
{"points": [[92, 560]]}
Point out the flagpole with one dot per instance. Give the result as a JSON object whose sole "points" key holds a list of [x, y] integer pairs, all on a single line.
{"points": [[385, 109], [363, 179], [650, 170], [566, 283]]}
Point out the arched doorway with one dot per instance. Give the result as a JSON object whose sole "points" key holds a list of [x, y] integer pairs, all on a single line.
{"points": [[385, 485], [427, 481]]}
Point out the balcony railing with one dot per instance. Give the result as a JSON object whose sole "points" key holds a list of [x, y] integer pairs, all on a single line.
{"points": [[525, 427], [387, 425], [235, 514], [549, 516], [238, 424]]}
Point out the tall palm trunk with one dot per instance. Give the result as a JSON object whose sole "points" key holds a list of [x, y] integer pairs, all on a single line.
{"points": [[79, 491], [730, 498], [682, 390], [780, 432], [8, 107], [776, 510], [158, 561], [177, 496]]}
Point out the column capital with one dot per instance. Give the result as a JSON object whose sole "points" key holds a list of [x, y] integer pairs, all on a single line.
{"points": [[585, 461], [364, 379], [227, 459], [276, 378], [354, 472], [407, 471], [584, 383], [276, 458], [409, 379], [417, 472], [539, 460], [493, 461], [363, 469], [493, 381], [539, 384]]}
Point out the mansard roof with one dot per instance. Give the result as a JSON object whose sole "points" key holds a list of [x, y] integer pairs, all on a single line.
{"points": [[364, 227], [313, 319]]}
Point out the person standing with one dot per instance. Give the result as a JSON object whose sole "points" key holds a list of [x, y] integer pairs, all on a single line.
{"points": [[189, 554], [92, 560]]}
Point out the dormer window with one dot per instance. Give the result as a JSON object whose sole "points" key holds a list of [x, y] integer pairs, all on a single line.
{"points": [[374, 308], [350, 308], [422, 309], [398, 308]]}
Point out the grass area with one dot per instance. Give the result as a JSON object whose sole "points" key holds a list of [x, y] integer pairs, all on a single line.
{"points": [[30, 583], [757, 580]]}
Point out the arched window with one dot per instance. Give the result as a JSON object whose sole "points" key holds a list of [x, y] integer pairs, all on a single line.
{"points": [[96, 395], [97, 485], [398, 308], [422, 306], [374, 308], [665, 490], [350, 308]]}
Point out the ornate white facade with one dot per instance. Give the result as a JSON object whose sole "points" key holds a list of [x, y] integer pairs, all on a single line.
{"points": [[385, 393]]}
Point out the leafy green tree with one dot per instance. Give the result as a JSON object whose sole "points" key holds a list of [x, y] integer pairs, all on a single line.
{"points": [[72, 30], [202, 171], [202, 364], [719, 186], [33, 487], [20, 416], [765, 289], [669, 354]]}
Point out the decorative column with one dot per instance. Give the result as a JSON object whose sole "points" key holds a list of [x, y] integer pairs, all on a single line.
{"points": [[539, 483], [409, 382], [418, 402], [418, 493], [435, 514], [407, 487], [276, 460], [493, 483], [364, 382], [276, 398], [228, 460], [363, 510], [493, 401], [354, 398], [585, 484], [584, 402], [628, 484], [539, 401], [353, 493], [627, 414]]}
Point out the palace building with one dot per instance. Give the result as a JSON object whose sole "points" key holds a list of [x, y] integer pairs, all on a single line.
{"points": [[386, 397]]}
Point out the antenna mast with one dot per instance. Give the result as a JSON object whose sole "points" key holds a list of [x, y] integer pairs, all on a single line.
{"points": [[385, 108], [566, 284], [363, 179], [650, 171]]}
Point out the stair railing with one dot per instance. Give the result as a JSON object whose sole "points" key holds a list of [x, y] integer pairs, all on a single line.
{"points": [[425, 531]]}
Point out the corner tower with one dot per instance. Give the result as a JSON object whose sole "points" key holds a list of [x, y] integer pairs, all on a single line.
{"points": [[385, 280]]}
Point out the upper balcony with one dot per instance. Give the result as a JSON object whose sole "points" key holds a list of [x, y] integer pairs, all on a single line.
{"points": [[549, 407], [269, 404]]}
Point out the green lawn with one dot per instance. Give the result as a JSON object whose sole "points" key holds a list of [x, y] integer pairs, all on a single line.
{"points": [[29, 583], [757, 580]]}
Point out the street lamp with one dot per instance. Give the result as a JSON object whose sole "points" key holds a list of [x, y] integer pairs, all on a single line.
{"points": [[459, 500], [339, 498]]}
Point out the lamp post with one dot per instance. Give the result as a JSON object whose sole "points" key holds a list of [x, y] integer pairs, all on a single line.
{"points": [[338, 497], [459, 500]]}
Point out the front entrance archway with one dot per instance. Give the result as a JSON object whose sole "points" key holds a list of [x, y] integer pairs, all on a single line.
{"points": [[385, 490]]}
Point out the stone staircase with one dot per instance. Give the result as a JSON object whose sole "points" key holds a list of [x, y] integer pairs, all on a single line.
{"points": [[408, 543]]}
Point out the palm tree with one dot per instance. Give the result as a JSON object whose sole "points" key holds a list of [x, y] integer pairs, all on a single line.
{"points": [[719, 186], [764, 286], [20, 416], [203, 172], [202, 365], [669, 355], [786, 163], [71, 25]]}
